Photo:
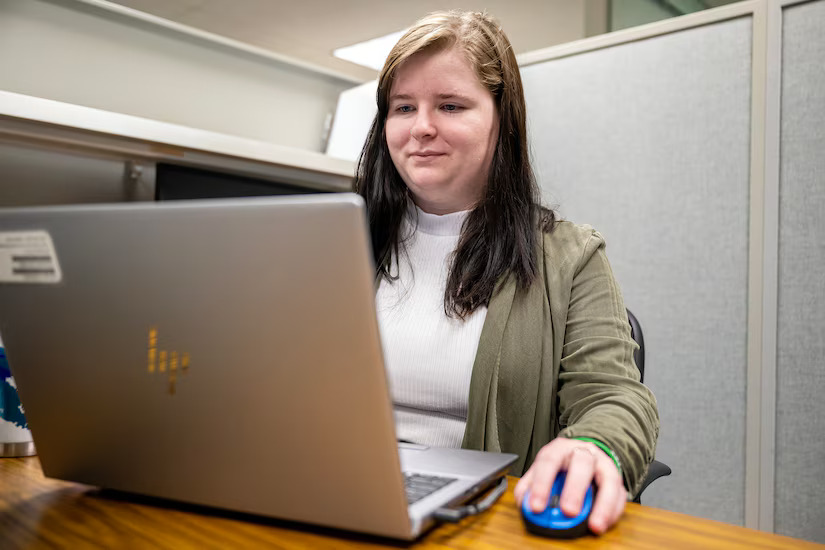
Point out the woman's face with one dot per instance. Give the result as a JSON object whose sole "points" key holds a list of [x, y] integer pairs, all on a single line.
{"points": [[442, 128]]}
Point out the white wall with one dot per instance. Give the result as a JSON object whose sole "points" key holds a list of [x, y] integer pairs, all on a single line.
{"points": [[73, 53], [353, 118]]}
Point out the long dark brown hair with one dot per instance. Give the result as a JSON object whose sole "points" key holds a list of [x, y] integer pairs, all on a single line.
{"points": [[499, 236]]}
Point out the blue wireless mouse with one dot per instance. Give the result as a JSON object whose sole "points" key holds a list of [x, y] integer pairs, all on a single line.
{"points": [[552, 522]]}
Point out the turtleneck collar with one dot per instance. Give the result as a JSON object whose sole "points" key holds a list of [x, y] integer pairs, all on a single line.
{"points": [[434, 224]]}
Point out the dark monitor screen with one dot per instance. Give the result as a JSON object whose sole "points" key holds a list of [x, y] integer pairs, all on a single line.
{"points": [[173, 182]]}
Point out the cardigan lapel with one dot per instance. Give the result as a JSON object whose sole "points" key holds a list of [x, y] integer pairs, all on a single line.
{"points": [[512, 369], [521, 378], [481, 431]]}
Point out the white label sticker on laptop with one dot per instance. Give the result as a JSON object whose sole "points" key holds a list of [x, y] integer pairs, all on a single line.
{"points": [[28, 257]]}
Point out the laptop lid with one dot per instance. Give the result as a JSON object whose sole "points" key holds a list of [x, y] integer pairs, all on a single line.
{"points": [[223, 353]]}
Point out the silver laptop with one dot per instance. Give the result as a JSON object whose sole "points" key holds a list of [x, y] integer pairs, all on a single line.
{"points": [[220, 352]]}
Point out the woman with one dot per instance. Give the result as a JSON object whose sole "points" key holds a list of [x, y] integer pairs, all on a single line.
{"points": [[503, 328]]}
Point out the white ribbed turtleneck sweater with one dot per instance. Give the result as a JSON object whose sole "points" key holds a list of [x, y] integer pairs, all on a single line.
{"points": [[429, 356]]}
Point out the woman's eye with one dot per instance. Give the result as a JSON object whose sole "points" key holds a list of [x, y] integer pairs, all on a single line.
{"points": [[404, 108], [450, 108]]}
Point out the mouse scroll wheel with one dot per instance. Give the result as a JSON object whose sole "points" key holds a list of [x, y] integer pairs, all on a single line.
{"points": [[554, 501]]}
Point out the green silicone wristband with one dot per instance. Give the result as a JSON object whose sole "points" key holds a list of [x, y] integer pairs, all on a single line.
{"points": [[605, 448]]}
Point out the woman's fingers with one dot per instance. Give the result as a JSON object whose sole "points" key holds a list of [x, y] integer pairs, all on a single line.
{"points": [[610, 496], [580, 469], [547, 464], [522, 485]]}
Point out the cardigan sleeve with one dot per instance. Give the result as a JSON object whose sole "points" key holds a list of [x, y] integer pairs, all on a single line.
{"points": [[600, 395]]}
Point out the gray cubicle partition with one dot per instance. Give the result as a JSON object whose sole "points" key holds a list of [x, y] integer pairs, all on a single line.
{"points": [[800, 422], [649, 142]]}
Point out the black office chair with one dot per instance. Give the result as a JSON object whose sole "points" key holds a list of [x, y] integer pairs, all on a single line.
{"points": [[657, 469]]}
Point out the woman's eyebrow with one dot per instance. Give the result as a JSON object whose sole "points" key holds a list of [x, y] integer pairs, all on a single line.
{"points": [[444, 96], [454, 96]]}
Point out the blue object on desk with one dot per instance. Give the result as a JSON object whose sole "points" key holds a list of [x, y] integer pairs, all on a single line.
{"points": [[10, 409], [552, 522]]}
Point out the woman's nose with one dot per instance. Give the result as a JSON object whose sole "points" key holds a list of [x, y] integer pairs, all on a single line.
{"points": [[423, 127]]}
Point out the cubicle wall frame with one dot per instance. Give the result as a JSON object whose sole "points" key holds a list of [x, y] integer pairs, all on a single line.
{"points": [[763, 225], [761, 400]]}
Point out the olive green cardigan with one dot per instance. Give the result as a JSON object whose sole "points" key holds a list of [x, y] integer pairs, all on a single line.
{"points": [[556, 359]]}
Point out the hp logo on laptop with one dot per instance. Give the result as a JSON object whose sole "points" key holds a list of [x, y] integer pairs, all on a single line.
{"points": [[164, 361]]}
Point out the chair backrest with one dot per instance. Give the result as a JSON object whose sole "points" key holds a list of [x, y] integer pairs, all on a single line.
{"points": [[638, 336], [656, 469]]}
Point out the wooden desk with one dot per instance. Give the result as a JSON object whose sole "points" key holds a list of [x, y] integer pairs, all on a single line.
{"points": [[39, 512]]}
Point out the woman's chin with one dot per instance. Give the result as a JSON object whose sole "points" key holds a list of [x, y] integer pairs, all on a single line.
{"points": [[428, 186], [431, 184]]}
